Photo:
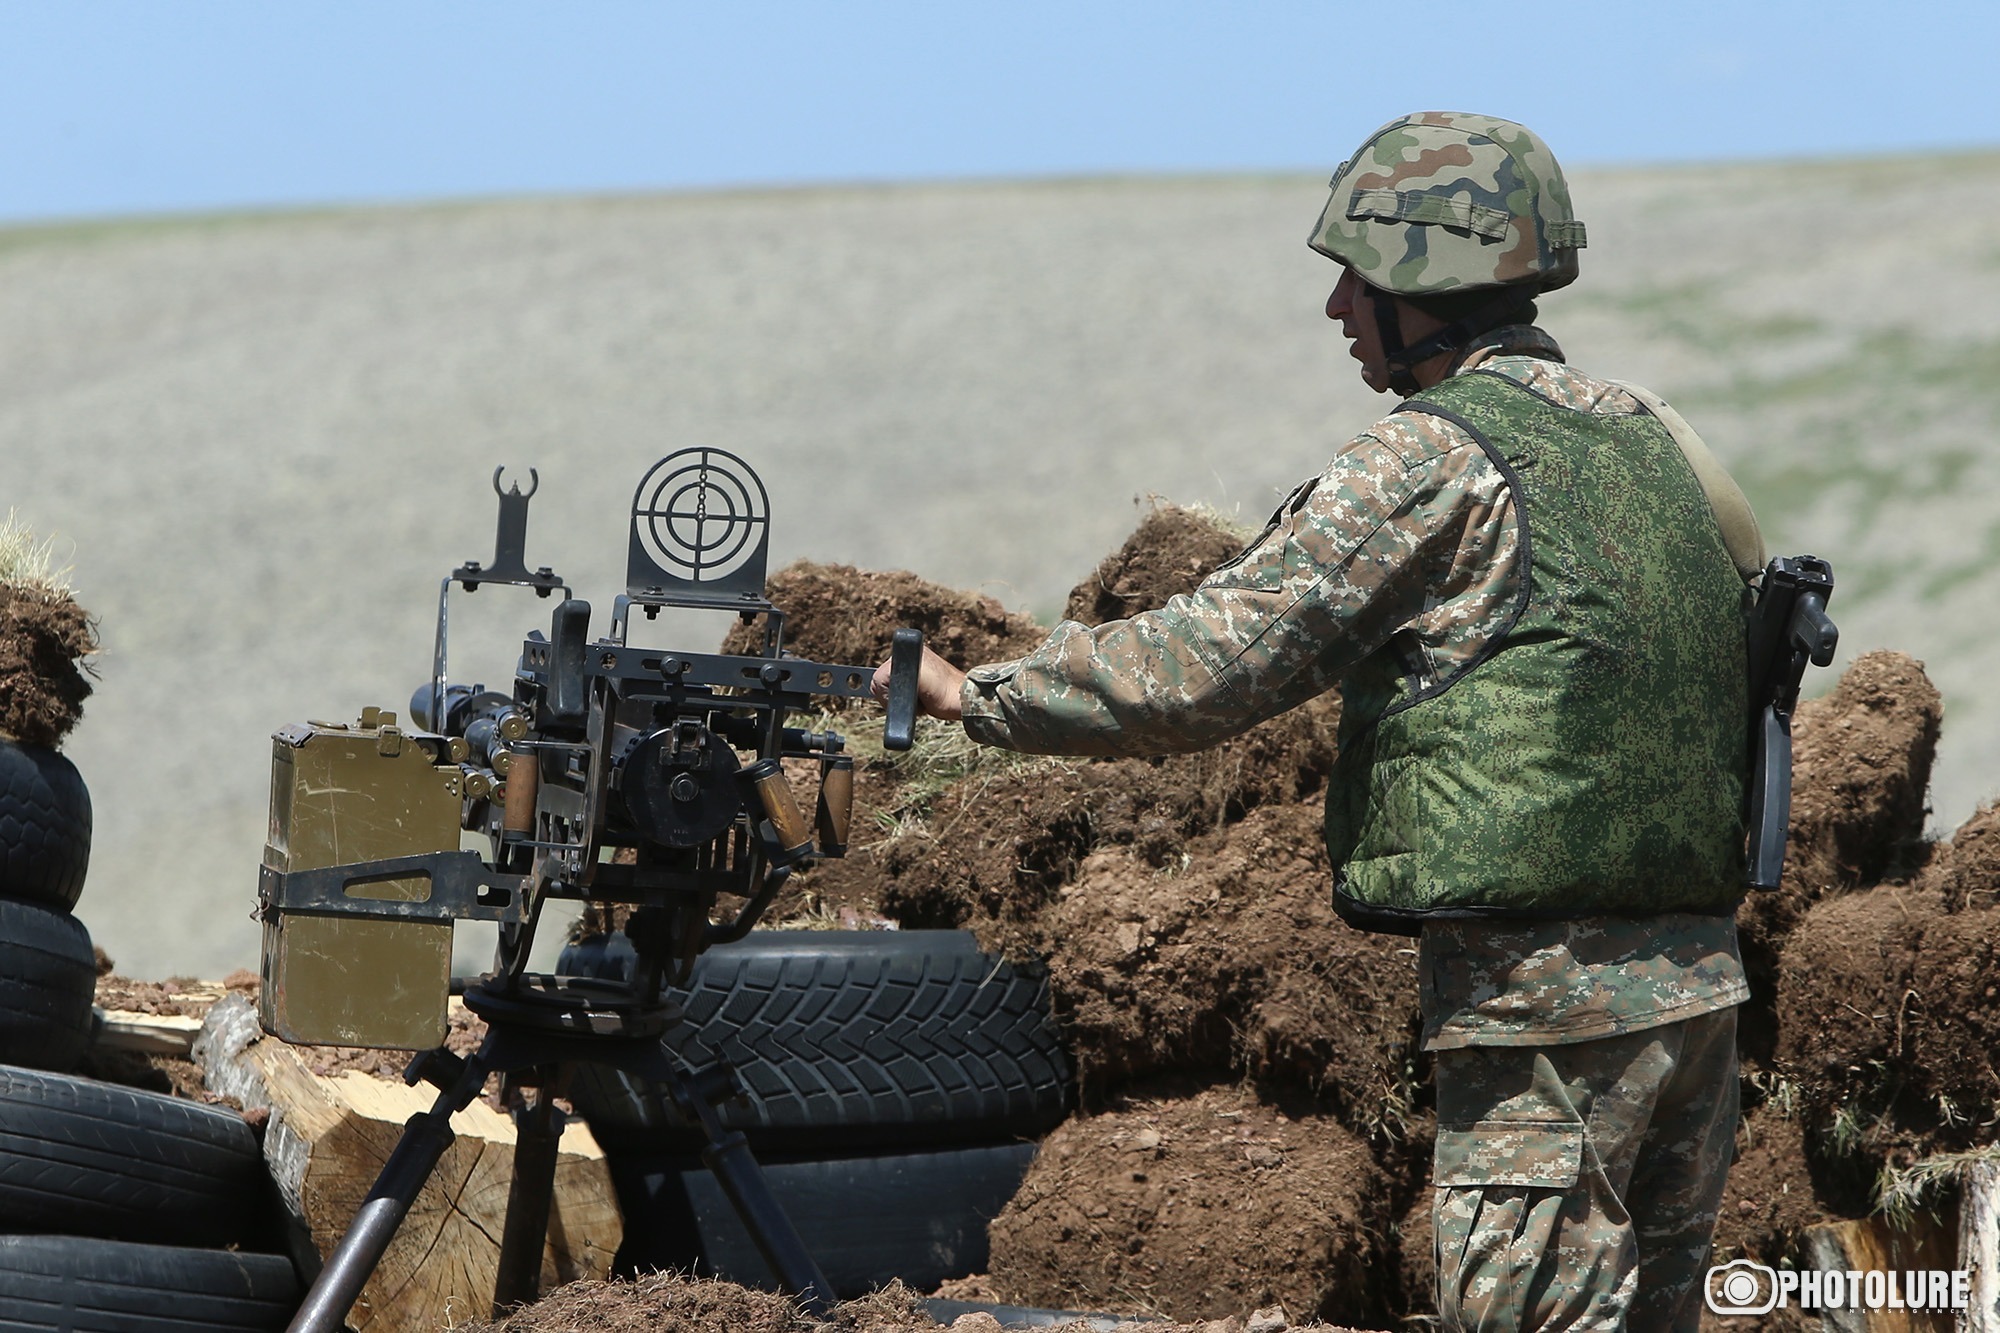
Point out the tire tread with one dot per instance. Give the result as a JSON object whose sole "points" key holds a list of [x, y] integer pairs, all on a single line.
{"points": [[45, 825], [836, 1030], [92, 1159]]}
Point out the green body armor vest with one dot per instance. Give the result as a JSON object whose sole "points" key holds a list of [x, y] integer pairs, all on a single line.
{"points": [[1591, 761]]}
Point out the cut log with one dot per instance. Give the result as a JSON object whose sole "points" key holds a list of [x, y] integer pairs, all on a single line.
{"points": [[148, 1034], [327, 1141], [1979, 1244], [1872, 1245]]}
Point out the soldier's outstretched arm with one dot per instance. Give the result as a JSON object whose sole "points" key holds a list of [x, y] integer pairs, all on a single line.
{"points": [[1402, 525]]}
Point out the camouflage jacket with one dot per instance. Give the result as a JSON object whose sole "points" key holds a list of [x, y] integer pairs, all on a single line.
{"points": [[1410, 528]]}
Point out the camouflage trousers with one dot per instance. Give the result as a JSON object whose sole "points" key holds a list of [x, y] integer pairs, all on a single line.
{"points": [[1577, 1184]]}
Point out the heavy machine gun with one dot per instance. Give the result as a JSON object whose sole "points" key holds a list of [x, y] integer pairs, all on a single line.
{"points": [[610, 773]]}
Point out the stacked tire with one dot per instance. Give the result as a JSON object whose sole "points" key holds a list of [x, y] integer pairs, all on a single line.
{"points": [[48, 971], [123, 1209], [895, 1084]]}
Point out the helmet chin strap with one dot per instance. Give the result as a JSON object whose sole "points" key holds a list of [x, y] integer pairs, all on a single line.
{"points": [[1389, 331], [1403, 361]]}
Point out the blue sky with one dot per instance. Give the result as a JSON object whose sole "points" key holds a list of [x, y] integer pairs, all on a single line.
{"points": [[115, 107]]}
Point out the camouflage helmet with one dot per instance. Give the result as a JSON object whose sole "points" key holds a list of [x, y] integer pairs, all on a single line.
{"points": [[1441, 201]]}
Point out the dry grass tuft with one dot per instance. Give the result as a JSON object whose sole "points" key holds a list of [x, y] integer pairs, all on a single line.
{"points": [[29, 564]]}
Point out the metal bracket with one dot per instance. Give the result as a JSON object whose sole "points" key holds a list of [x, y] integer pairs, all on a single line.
{"points": [[463, 888], [509, 566], [510, 544]]}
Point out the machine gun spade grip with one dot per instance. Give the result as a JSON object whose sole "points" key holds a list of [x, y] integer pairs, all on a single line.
{"points": [[568, 701], [906, 654]]}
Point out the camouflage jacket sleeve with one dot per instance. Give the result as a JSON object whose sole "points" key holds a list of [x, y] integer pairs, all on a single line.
{"points": [[1405, 543]]}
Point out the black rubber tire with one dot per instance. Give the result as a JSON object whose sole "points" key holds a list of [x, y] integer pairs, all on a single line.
{"points": [[44, 826], [48, 976], [844, 1039], [69, 1284], [864, 1218], [82, 1158]]}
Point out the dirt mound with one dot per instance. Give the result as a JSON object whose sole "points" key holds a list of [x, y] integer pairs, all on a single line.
{"points": [[1416, 1251], [1954, 1047], [1170, 553], [844, 615], [1770, 1200], [1886, 994], [1888, 1025], [673, 1303], [45, 640], [970, 839], [1194, 1207], [993, 848]]}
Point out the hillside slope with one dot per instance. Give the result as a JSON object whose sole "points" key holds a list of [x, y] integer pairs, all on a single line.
{"points": [[268, 438]]}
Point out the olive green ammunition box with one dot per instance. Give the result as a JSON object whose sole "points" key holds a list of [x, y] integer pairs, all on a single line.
{"points": [[342, 795]]}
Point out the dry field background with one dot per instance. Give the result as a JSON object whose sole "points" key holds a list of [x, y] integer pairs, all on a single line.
{"points": [[262, 440]]}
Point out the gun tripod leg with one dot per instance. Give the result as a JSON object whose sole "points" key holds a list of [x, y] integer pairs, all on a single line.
{"points": [[537, 1135], [426, 1136], [728, 1158]]}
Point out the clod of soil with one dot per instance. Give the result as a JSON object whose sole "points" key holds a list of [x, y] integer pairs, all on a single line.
{"points": [[991, 850], [1195, 1207], [1954, 1051], [845, 616], [1844, 986], [1863, 754], [1236, 962], [1967, 871], [45, 640], [1172, 551], [1889, 1025]]}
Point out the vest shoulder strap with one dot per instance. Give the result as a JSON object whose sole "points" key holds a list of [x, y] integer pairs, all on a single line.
{"points": [[1732, 510]]}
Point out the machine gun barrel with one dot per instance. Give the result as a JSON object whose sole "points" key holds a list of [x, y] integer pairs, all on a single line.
{"points": [[1789, 628]]}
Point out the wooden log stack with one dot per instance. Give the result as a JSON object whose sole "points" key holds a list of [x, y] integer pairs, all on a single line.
{"points": [[326, 1141]]}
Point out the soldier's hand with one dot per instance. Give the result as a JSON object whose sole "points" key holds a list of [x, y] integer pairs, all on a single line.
{"points": [[938, 686]]}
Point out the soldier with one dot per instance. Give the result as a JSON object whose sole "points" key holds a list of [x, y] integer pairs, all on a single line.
{"points": [[1528, 585]]}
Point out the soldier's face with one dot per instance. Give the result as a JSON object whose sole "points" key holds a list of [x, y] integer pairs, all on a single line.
{"points": [[1354, 307]]}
